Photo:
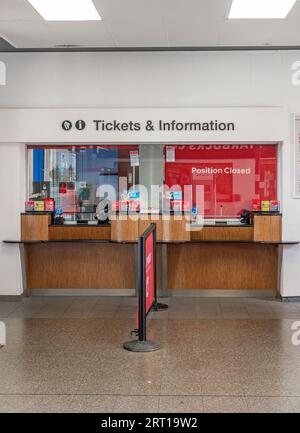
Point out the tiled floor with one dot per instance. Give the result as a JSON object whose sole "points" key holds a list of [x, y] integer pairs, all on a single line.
{"points": [[65, 354]]}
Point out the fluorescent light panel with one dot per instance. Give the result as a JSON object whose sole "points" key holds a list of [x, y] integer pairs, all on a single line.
{"points": [[259, 9], [66, 10]]}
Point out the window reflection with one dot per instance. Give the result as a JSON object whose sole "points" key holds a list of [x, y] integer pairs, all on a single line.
{"points": [[72, 175]]}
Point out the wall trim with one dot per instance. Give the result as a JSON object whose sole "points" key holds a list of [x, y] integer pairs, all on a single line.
{"points": [[271, 294], [11, 49], [11, 298]]}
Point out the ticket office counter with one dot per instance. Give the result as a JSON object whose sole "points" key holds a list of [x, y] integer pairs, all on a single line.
{"points": [[218, 259]]}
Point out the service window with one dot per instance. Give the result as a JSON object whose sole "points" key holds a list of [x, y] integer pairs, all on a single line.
{"points": [[71, 175], [232, 176]]}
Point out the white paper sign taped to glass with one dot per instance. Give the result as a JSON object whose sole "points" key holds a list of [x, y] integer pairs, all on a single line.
{"points": [[134, 158], [170, 154]]}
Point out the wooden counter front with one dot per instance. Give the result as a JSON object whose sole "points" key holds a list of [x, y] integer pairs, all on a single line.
{"points": [[190, 266], [72, 265], [222, 266], [187, 260], [169, 228], [267, 228], [125, 228], [79, 232], [35, 227], [83, 266], [221, 233]]}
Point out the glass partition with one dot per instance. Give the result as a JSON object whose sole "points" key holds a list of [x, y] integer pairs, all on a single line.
{"points": [[73, 175], [232, 178]]}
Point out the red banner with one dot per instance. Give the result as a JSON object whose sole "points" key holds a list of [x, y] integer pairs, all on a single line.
{"points": [[149, 272], [231, 176], [148, 279]]}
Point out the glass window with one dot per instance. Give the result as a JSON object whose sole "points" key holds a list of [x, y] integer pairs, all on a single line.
{"points": [[232, 177], [72, 175]]}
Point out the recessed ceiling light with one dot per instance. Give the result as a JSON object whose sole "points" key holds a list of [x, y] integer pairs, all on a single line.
{"points": [[258, 9], [66, 10]]}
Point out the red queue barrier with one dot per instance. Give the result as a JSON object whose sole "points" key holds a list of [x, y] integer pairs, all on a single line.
{"points": [[147, 291]]}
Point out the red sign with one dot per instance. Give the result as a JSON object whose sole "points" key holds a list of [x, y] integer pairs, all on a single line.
{"points": [[229, 176], [148, 279], [149, 272]]}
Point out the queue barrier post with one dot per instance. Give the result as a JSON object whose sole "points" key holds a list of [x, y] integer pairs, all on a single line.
{"points": [[147, 300], [158, 306]]}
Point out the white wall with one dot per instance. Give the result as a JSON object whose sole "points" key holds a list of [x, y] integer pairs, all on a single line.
{"points": [[12, 175], [191, 79], [159, 79]]}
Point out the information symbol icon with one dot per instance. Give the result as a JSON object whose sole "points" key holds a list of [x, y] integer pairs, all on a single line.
{"points": [[80, 125], [66, 125]]}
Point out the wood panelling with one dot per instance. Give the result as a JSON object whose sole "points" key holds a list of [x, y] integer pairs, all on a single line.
{"points": [[169, 229], [176, 229], [145, 222], [190, 266], [35, 227], [128, 229], [125, 228], [222, 266], [267, 228], [223, 234], [77, 266], [83, 266], [68, 232]]}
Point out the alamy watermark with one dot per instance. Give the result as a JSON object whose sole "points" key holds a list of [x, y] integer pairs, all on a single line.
{"points": [[2, 73], [185, 203], [2, 334], [296, 334], [295, 78]]}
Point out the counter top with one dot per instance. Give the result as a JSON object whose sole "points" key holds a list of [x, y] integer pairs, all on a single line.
{"points": [[221, 225], [79, 225], [35, 213], [196, 226], [104, 241], [259, 212]]}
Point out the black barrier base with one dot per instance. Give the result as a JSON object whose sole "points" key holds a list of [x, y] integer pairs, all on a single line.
{"points": [[158, 306], [141, 346]]}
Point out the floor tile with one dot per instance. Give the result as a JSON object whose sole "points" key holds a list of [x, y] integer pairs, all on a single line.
{"points": [[92, 404], [227, 383], [136, 404], [34, 403], [6, 308], [180, 404], [225, 404], [217, 355], [235, 314], [105, 312], [273, 404], [80, 308], [180, 380]]}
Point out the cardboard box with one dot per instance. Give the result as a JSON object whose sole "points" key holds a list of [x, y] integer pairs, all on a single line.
{"points": [[49, 205], [39, 206], [29, 206], [256, 205], [265, 206], [274, 206]]}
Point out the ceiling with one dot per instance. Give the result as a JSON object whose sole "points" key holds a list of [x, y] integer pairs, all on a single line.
{"points": [[146, 24]]}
